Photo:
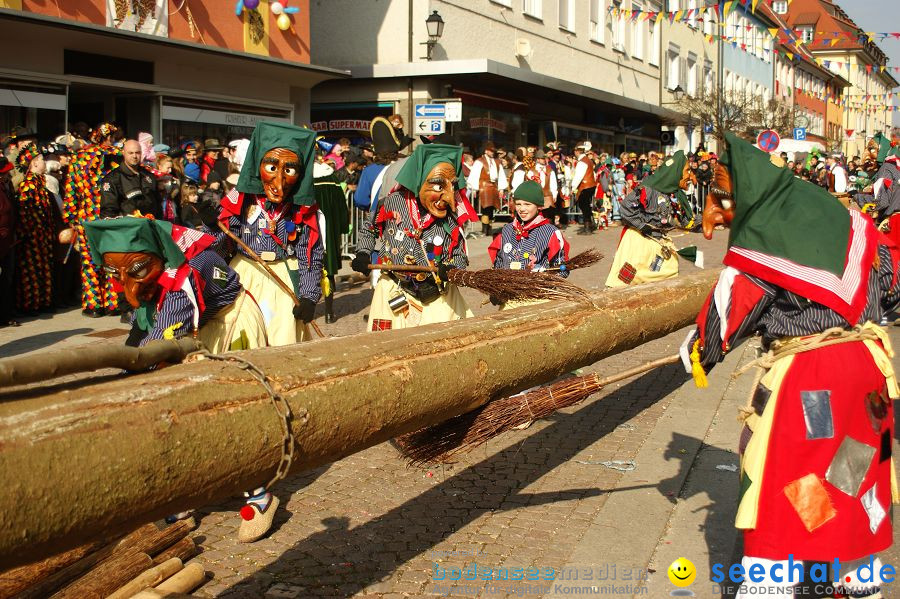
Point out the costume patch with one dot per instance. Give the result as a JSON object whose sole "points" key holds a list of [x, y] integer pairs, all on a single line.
{"points": [[380, 324], [810, 500], [849, 466], [626, 273], [657, 263], [760, 399], [220, 277], [817, 414], [877, 408], [873, 508], [886, 446]]}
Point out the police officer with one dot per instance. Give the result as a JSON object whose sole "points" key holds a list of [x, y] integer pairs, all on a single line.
{"points": [[129, 187]]}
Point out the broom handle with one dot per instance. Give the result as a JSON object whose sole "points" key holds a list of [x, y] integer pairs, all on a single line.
{"points": [[269, 270], [627, 374], [403, 267]]}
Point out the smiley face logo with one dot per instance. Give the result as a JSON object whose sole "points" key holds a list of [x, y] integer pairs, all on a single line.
{"points": [[682, 572]]}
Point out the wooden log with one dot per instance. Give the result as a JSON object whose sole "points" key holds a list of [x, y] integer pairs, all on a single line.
{"points": [[107, 577], [53, 583], [185, 581], [26, 369], [149, 578], [154, 594], [184, 550], [18, 579], [167, 537], [141, 447]]}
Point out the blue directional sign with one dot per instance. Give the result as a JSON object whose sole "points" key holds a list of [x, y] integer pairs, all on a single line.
{"points": [[800, 133], [434, 111]]}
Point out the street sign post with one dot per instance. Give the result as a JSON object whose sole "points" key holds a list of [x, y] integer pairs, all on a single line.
{"points": [[453, 112], [430, 111], [768, 141], [800, 133], [430, 126]]}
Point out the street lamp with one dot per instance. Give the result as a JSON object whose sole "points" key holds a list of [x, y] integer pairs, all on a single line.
{"points": [[435, 26], [678, 93]]}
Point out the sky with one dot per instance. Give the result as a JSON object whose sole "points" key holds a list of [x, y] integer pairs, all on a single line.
{"points": [[879, 15]]}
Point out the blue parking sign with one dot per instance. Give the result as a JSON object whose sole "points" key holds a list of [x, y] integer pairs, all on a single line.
{"points": [[800, 133]]}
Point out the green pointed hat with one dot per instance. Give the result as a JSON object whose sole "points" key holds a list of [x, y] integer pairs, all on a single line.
{"points": [[268, 136], [668, 175], [780, 215], [884, 146], [133, 234], [424, 158]]}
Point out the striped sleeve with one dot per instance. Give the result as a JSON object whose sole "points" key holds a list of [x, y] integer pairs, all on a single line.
{"points": [[175, 314], [310, 269]]}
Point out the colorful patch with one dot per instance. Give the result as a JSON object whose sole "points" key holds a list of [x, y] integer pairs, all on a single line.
{"points": [[849, 466], [877, 408], [760, 398], [626, 273], [220, 277], [810, 500], [657, 264], [817, 414], [380, 324], [873, 508]]}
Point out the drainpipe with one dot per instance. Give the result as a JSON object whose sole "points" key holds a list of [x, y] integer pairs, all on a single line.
{"points": [[411, 121]]}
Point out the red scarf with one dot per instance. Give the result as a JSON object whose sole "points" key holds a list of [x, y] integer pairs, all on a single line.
{"points": [[522, 229]]}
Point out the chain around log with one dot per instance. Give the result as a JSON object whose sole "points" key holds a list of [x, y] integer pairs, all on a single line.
{"points": [[281, 408]]}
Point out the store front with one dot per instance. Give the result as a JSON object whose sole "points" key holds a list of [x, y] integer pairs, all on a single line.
{"points": [[189, 119], [349, 119], [39, 108]]}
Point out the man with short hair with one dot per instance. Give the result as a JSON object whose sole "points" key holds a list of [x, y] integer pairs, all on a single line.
{"points": [[837, 175], [130, 187], [488, 178], [584, 183]]}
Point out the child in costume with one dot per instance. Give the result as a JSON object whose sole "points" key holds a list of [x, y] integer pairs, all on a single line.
{"points": [[645, 253], [418, 224], [530, 241], [816, 469], [273, 212]]}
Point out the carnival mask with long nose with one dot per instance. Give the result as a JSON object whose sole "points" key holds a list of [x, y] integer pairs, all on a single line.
{"points": [[437, 194], [279, 171], [138, 272], [719, 208]]}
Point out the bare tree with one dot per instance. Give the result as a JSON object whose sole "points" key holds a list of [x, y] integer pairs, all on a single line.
{"points": [[734, 112]]}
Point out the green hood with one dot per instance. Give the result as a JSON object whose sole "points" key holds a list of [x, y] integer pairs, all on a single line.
{"points": [[780, 215], [424, 158], [668, 175], [133, 234], [884, 147], [268, 136]]}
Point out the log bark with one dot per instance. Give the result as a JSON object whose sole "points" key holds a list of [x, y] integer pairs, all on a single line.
{"points": [[107, 577], [184, 550], [50, 585], [18, 579], [185, 581], [27, 369], [148, 579], [118, 453]]}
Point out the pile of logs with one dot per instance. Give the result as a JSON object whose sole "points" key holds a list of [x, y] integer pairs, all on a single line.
{"points": [[146, 564]]}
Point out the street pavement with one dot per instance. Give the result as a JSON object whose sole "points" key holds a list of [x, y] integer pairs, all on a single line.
{"points": [[607, 493]]}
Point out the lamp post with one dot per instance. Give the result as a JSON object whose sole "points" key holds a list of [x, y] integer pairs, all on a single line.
{"points": [[435, 26]]}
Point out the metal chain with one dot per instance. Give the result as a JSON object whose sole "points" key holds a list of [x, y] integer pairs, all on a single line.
{"points": [[282, 408]]}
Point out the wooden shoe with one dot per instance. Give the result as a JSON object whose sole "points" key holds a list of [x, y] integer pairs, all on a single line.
{"points": [[255, 523]]}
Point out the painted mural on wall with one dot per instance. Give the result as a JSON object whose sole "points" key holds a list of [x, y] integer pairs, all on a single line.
{"points": [[143, 16]]}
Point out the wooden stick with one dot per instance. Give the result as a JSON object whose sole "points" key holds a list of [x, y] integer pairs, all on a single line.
{"points": [[269, 270], [147, 579], [107, 577], [403, 267], [185, 581], [18, 579], [184, 550]]}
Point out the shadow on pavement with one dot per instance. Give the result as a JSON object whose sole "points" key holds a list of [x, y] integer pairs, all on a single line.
{"points": [[319, 563], [39, 341]]}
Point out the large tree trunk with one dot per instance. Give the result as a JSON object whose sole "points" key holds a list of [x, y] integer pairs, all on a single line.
{"points": [[112, 455]]}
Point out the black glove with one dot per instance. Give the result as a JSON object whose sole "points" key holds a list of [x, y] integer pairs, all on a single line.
{"points": [[305, 310], [442, 273], [427, 291], [495, 301], [361, 263]]}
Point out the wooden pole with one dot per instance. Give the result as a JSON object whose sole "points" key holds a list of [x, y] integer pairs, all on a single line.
{"points": [[141, 447], [148, 578]]}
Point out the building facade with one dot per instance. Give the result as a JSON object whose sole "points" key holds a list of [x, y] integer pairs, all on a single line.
{"points": [[181, 71], [540, 71], [840, 46]]}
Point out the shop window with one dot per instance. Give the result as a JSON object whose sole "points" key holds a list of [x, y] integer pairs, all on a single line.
{"points": [[598, 21]]}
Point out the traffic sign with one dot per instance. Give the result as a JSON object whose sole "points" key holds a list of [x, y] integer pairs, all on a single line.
{"points": [[434, 111], [768, 141], [800, 133], [430, 126], [454, 111]]}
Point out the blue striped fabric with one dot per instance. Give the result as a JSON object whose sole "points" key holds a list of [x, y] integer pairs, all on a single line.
{"points": [[536, 245]]}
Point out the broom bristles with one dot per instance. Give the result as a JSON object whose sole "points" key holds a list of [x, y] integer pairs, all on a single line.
{"points": [[441, 442], [461, 434], [507, 285], [584, 259]]}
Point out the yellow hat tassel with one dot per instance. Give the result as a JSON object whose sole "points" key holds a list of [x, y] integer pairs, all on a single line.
{"points": [[697, 368]]}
